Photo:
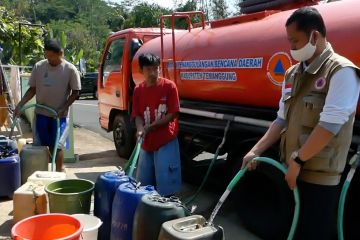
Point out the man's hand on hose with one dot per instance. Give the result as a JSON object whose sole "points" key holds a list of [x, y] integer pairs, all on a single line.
{"points": [[140, 132], [249, 158], [61, 112], [17, 110], [292, 174]]}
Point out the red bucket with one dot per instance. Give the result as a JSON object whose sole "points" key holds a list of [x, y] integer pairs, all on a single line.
{"points": [[48, 227]]}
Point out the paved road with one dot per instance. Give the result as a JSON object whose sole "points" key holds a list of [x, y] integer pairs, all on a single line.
{"points": [[86, 115]]}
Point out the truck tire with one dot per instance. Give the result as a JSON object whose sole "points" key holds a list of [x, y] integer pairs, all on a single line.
{"points": [[123, 135]]}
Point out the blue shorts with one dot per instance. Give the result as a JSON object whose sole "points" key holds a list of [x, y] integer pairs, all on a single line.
{"points": [[45, 130], [161, 168]]}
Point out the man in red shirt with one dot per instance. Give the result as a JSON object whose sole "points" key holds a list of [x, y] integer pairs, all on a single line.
{"points": [[155, 109]]}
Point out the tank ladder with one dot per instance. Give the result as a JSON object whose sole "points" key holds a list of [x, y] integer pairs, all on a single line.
{"points": [[172, 17]]}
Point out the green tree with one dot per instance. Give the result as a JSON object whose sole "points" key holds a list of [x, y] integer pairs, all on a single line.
{"points": [[32, 44], [20, 8], [238, 8], [72, 55], [219, 9], [127, 4], [75, 38], [116, 17], [47, 10], [145, 15], [86, 23], [190, 5]]}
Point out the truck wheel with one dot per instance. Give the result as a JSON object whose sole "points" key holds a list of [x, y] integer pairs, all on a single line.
{"points": [[124, 136]]}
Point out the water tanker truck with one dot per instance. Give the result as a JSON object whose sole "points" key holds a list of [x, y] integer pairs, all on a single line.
{"points": [[225, 70]]}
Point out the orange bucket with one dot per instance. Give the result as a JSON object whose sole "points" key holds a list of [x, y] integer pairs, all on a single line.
{"points": [[48, 227]]}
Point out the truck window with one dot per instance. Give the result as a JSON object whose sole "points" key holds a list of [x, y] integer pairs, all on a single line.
{"points": [[113, 58], [135, 45]]}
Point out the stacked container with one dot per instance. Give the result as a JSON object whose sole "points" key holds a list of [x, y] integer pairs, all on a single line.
{"points": [[33, 158], [9, 167], [29, 199], [105, 188], [152, 212], [127, 198], [46, 177], [9, 175]]}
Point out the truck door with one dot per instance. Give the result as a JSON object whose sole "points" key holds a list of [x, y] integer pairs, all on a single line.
{"points": [[111, 79]]}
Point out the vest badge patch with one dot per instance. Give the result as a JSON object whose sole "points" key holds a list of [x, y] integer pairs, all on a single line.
{"points": [[320, 83], [288, 88]]}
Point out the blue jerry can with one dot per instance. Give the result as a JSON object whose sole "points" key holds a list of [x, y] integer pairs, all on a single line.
{"points": [[127, 198], [9, 175], [105, 188]]}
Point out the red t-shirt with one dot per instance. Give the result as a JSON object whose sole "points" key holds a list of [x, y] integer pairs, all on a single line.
{"points": [[152, 103]]}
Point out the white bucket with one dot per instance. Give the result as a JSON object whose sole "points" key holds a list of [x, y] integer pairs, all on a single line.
{"points": [[91, 226]]}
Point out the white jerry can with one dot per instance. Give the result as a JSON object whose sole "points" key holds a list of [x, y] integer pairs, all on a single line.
{"points": [[46, 177], [190, 228], [29, 200]]}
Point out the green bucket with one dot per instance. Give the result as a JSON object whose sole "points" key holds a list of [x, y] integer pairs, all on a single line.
{"points": [[70, 196]]}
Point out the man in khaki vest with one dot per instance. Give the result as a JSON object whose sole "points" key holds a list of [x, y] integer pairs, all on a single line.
{"points": [[315, 123]]}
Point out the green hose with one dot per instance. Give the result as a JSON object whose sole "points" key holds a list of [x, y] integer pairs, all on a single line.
{"points": [[193, 197], [57, 128], [241, 173], [354, 162], [340, 222], [130, 166]]}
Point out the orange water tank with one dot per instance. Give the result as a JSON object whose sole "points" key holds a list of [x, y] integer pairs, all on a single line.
{"points": [[242, 60]]}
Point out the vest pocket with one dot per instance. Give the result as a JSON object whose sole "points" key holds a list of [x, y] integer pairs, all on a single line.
{"points": [[312, 107], [321, 161]]}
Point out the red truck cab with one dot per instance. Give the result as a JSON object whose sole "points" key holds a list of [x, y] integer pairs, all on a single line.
{"points": [[115, 84]]}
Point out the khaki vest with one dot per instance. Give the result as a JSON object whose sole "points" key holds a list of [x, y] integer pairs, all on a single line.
{"points": [[303, 106]]}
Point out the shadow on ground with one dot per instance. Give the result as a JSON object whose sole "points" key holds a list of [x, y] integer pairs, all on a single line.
{"points": [[4, 199], [5, 229], [92, 176], [104, 154]]}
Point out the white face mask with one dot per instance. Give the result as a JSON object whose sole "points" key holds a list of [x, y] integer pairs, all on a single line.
{"points": [[305, 53]]}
